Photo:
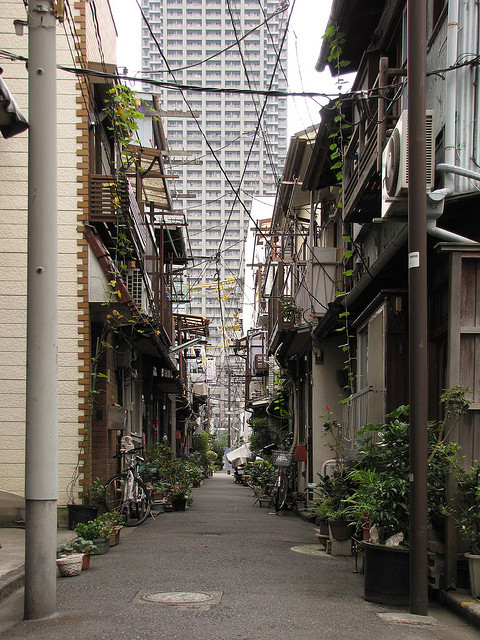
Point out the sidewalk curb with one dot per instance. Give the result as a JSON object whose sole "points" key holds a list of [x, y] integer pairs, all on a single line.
{"points": [[11, 582], [463, 604]]}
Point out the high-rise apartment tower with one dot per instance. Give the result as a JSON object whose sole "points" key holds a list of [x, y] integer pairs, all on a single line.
{"points": [[235, 139]]}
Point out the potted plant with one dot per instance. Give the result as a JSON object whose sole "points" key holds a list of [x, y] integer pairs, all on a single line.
{"points": [[96, 493], [78, 545], [70, 565], [158, 490], [115, 524], [384, 500], [93, 497], [467, 513], [179, 490], [96, 530]]}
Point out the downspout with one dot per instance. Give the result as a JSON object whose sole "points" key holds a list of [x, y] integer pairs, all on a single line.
{"points": [[476, 108], [451, 91], [436, 201]]}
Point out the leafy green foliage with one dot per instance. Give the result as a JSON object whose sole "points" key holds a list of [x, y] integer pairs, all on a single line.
{"points": [[124, 108], [96, 529], [260, 474], [261, 434]]}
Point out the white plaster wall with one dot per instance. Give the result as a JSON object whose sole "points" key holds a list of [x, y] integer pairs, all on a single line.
{"points": [[13, 232], [326, 391]]}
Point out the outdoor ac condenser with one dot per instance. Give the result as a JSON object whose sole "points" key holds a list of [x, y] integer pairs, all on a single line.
{"points": [[395, 165]]}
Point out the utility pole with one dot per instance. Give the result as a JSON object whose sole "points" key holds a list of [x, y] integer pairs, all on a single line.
{"points": [[41, 464], [229, 412], [417, 305]]}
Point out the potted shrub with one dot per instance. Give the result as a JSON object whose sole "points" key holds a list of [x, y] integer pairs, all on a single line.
{"points": [[93, 497], [384, 500], [179, 489], [115, 523], [467, 513], [98, 531], [158, 490]]}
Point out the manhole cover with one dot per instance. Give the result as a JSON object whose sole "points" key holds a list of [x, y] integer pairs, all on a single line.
{"points": [[202, 600], [311, 549], [178, 597]]}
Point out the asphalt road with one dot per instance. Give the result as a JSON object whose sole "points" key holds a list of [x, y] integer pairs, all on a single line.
{"points": [[250, 584]]}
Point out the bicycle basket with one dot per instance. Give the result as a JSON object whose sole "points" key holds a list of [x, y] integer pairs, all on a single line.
{"points": [[282, 458]]}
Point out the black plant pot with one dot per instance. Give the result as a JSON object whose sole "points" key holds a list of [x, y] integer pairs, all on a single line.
{"points": [[80, 513], [179, 504], [386, 574]]}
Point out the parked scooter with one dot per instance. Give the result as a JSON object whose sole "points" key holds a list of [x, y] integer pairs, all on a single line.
{"points": [[238, 475]]}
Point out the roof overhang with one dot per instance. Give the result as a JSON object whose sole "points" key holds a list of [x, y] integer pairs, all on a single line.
{"points": [[294, 345], [357, 20]]}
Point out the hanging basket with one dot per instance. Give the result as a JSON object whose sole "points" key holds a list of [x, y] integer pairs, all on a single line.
{"points": [[70, 565]]}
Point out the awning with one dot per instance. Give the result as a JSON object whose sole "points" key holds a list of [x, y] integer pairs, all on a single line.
{"points": [[239, 456], [294, 344], [168, 385]]}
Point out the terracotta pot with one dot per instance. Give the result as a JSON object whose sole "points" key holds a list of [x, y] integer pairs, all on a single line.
{"points": [[86, 561], [340, 529], [114, 537]]}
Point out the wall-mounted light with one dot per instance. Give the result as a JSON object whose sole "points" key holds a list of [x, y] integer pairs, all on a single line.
{"points": [[19, 26]]}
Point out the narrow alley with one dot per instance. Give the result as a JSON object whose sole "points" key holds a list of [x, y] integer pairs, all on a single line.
{"points": [[249, 582]]}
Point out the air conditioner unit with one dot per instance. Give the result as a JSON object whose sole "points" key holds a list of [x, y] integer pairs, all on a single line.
{"points": [[257, 389], [136, 288], [395, 165]]}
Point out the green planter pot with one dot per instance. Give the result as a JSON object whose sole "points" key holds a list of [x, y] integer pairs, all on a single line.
{"points": [[102, 545]]}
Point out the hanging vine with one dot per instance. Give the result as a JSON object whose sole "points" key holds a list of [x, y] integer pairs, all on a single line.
{"points": [[338, 140]]}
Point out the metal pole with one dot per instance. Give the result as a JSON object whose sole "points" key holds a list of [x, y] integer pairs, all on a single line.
{"points": [[229, 412], [417, 277], [41, 464]]}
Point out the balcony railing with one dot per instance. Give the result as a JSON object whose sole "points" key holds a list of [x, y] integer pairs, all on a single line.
{"points": [[107, 196], [318, 291], [260, 364], [361, 173]]}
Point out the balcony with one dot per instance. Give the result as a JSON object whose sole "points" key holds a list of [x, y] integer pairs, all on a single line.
{"points": [[316, 296], [260, 364], [362, 169], [107, 197]]}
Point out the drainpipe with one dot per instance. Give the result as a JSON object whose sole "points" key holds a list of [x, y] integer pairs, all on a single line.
{"points": [[436, 201], [451, 90]]}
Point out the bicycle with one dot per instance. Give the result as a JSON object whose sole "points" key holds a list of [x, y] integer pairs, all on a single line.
{"points": [[282, 460], [126, 493]]}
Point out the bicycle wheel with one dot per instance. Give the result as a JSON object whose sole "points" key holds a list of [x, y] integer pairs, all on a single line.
{"points": [[281, 493], [140, 506], [132, 503]]}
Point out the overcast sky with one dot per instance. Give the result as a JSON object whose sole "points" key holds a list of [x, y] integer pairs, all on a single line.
{"points": [[307, 26]]}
